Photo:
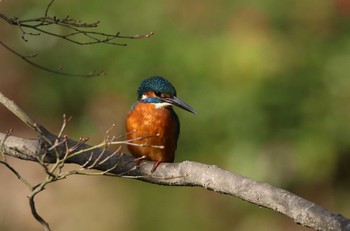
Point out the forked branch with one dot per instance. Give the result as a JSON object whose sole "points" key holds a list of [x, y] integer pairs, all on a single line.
{"points": [[74, 31], [186, 173]]}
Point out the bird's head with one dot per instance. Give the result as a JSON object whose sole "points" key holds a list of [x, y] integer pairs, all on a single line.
{"points": [[159, 90]]}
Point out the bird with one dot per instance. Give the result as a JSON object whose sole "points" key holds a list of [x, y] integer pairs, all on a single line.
{"points": [[152, 126]]}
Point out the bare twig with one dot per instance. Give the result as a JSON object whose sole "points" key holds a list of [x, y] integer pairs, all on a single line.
{"points": [[74, 27], [48, 7], [14, 171], [76, 31], [64, 124], [19, 113], [34, 190], [55, 171], [56, 71], [33, 208]]}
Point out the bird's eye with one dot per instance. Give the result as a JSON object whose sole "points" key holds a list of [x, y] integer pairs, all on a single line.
{"points": [[158, 93]]}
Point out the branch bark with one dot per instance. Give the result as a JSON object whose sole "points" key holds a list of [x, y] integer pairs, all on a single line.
{"points": [[49, 148], [186, 173]]}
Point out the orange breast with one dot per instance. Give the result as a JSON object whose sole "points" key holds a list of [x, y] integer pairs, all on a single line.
{"points": [[159, 127]]}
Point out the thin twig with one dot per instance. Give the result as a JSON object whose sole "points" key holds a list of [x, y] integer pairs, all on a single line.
{"points": [[95, 37], [57, 71], [76, 31], [11, 106], [64, 124], [19, 176], [37, 216], [47, 8], [31, 197]]}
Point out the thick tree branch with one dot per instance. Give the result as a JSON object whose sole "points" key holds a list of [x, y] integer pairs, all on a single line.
{"points": [[189, 173], [49, 148]]}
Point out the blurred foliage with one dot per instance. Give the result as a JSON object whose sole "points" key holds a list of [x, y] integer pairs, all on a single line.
{"points": [[270, 81]]}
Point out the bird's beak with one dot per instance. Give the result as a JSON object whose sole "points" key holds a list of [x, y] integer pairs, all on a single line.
{"points": [[177, 102]]}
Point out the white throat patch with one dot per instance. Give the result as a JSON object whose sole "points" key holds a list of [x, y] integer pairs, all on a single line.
{"points": [[162, 105]]}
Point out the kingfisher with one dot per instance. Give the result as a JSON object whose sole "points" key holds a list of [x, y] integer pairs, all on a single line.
{"points": [[152, 125]]}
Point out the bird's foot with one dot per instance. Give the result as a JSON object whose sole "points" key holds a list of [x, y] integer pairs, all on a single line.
{"points": [[155, 166]]}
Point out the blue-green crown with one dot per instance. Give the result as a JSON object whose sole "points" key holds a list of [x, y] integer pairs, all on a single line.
{"points": [[156, 84]]}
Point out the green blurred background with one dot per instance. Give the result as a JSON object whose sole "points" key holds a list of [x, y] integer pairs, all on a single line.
{"points": [[269, 80]]}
